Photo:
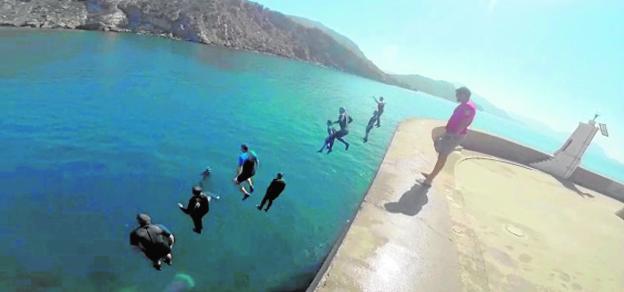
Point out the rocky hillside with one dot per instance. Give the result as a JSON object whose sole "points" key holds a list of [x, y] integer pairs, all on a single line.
{"points": [[239, 24], [341, 39]]}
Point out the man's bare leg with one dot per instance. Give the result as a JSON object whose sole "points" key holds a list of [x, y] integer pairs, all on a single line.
{"points": [[436, 170], [251, 187], [244, 191]]}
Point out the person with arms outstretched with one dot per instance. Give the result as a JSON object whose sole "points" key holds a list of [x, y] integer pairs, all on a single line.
{"points": [[456, 130], [380, 109], [247, 163], [197, 207], [276, 187], [371, 123], [331, 136], [154, 240], [343, 121]]}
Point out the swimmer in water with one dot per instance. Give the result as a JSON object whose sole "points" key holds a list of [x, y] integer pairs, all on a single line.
{"points": [[197, 207], [329, 141], [276, 187], [371, 123], [343, 121], [380, 108], [154, 240], [247, 163], [204, 176]]}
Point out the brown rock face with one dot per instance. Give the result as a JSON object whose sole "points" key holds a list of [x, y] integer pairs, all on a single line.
{"points": [[239, 24]]}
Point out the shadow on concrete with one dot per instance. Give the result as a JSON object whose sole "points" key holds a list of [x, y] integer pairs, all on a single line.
{"points": [[571, 186], [411, 202]]}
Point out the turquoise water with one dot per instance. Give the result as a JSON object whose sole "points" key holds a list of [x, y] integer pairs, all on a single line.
{"points": [[95, 127]]}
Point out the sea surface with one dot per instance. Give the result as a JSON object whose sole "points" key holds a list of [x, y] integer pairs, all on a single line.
{"points": [[96, 127]]}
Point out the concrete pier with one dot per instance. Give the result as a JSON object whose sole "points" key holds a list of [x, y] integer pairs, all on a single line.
{"points": [[485, 225]]}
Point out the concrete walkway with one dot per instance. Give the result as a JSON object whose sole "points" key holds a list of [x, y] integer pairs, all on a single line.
{"points": [[485, 225], [399, 240]]}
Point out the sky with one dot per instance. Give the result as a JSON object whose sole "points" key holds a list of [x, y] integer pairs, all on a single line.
{"points": [[552, 61]]}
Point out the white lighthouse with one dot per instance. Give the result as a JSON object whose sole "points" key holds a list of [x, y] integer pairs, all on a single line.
{"points": [[568, 158]]}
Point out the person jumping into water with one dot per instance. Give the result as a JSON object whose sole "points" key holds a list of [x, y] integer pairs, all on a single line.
{"points": [[343, 120], [329, 141], [456, 130], [371, 123], [247, 163], [197, 207], [276, 187], [155, 241], [380, 109]]}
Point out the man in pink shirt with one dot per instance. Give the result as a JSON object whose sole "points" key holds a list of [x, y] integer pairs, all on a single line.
{"points": [[456, 130]]}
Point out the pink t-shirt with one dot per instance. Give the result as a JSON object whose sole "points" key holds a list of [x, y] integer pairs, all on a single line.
{"points": [[464, 113]]}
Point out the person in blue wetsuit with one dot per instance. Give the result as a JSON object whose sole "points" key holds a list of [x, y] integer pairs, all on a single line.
{"points": [[154, 240], [329, 141], [343, 121], [247, 163]]}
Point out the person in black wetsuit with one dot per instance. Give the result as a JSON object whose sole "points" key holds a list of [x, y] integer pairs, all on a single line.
{"points": [[247, 163], [329, 141], [380, 108], [276, 187], [154, 240], [371, 123], [343, 120], [197, 207]]}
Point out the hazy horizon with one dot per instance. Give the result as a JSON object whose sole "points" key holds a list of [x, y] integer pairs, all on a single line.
{"points": [[556, 62]]}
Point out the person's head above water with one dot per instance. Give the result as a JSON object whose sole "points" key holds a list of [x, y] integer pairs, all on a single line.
{"points": [[279, 175], [463, 94], [244, 148], [197, 190], [143, 219], [381, 98], [341, 110], [329, 122]]}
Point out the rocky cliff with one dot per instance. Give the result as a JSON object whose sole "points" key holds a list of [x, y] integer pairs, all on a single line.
{"points": [[239, 24]]}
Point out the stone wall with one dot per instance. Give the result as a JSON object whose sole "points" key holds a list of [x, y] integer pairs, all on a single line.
{"points": [[496, 146]]}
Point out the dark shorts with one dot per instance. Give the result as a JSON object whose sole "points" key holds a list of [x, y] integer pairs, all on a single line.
{"points": [[446, 144], [244, 176]]}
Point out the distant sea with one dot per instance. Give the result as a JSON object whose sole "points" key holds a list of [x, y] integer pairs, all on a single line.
{"points": [[95, 127]]}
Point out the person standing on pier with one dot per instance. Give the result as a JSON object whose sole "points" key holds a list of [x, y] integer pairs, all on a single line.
{"points": [[456, 130]]}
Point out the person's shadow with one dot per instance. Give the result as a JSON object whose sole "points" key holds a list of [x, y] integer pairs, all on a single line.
{"points": [[411, 202]]}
